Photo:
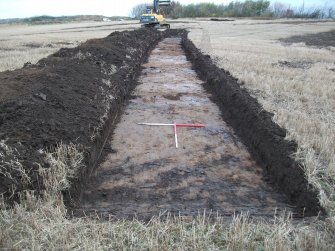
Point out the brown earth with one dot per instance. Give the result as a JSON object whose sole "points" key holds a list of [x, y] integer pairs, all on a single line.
{"points": [[64, 98]]}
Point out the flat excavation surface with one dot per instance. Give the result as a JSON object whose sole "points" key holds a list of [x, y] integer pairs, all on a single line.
{"points": [[145, 174]]}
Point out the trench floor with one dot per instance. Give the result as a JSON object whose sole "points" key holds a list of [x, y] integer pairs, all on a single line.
{"points": [[147, 175]]}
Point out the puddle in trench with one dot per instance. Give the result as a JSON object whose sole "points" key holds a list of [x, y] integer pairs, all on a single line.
{"points": [[211, 170]]}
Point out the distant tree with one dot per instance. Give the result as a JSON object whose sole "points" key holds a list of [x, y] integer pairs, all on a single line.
{"points": [[236, 9], [189, 10], [262, 7], [176, 10], [208, 10], [317, 13], [289, 13], [279, 9], [331, 13], [248, 8], [254, 8], [138, 10], [166, 10]]}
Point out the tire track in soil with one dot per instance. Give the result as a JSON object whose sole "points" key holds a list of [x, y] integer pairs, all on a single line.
{"points": [[145, 174]]}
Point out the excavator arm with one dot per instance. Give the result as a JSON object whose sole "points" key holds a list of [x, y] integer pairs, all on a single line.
{"points": [[156, 7]]}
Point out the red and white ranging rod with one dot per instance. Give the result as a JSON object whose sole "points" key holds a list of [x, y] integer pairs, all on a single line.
{"points": [[175, 125]]}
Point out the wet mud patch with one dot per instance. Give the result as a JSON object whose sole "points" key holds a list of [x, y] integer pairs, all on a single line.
{"points": [[264, 139], [321, 40]]}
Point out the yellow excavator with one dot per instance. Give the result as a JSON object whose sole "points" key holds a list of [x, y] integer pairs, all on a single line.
{"points": [[153, 16]]}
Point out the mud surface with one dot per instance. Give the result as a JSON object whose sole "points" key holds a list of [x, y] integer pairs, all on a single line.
{"points": [[74, 95], [146, 174], [322, 39]]}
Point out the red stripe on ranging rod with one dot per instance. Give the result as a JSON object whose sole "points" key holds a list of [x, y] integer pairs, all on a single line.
{"points": [[175, 125]]}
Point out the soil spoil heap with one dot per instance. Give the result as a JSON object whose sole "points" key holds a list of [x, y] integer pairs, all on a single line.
{"points": [[74, 95]]}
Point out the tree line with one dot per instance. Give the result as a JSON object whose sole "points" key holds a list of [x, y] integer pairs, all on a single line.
{"points": [[248, 8]]}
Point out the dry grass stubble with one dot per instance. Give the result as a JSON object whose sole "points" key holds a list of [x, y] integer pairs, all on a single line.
{"points": [[42, 224], [300, 92], [20, 44]]}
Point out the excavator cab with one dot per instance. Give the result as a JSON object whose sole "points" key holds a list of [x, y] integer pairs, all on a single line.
{"points": [[153, 16]]}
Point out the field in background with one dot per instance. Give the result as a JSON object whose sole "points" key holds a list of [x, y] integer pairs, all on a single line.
{"points": [[20, 44], [295, 82]]}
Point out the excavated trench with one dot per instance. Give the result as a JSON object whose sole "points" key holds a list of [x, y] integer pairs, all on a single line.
{"points": [[145, 174], [240, 161]]}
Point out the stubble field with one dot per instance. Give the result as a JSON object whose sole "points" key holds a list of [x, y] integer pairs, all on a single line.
{"points": [[290, 79]]}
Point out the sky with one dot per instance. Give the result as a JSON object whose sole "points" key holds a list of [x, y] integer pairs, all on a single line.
{"points": [[29, 8]]}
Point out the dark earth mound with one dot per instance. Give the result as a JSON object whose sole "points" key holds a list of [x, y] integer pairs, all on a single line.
{"points": [[322, 39], [291, 21], [74, 95], [264, 138], [298, 64], [222, 19]]}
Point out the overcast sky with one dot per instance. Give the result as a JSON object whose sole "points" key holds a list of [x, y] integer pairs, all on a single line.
{"points": [[29, 8]]}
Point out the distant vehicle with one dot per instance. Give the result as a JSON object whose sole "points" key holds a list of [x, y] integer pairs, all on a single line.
{"points": [[153, 16]]}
